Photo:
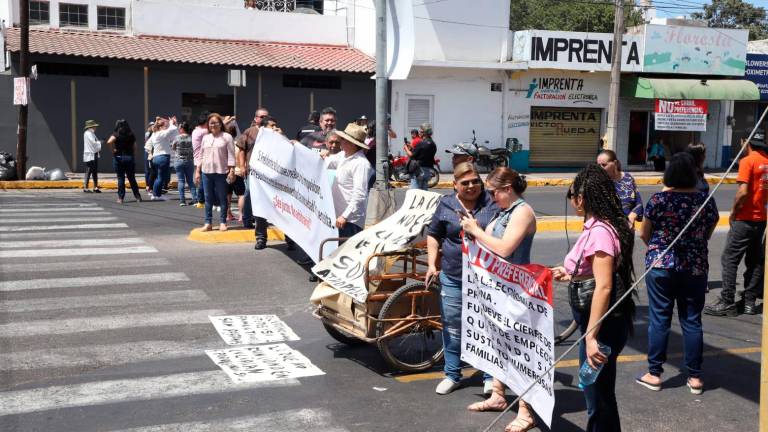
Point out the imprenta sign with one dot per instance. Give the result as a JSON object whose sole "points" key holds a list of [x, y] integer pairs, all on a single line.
{"points": [[575, 50]]}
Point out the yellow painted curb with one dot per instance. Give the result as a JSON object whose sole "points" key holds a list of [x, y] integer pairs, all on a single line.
{"points": [[235, 235], [67, 184]]}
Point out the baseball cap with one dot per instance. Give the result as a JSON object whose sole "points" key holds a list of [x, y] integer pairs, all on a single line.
{"points": [[463, 148], [758, 140]]}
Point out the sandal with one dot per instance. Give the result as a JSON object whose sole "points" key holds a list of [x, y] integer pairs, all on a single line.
{"points": [[697, 390], [520, 425], [484, 406], [646, 384]]}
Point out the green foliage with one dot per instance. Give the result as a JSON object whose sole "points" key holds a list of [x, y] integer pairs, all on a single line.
{"points": [[569, 15], [735, 14]]}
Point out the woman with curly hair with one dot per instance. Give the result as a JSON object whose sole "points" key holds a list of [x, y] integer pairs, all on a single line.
{"points": [[601, 260]]}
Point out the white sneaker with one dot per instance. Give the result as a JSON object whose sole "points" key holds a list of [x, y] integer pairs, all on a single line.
{"points": [[446, 386], [158, 198], [488, 387]]}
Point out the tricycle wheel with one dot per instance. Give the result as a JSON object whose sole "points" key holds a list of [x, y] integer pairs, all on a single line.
{"points": [[411, 338], [342, 337]]}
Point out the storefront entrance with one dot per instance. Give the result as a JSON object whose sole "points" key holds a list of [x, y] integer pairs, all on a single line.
{"points": [[563, 137], [642, 134]]}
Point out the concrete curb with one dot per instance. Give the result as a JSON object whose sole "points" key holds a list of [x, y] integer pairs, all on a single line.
{"points": [[66, 184], [242, 235]]}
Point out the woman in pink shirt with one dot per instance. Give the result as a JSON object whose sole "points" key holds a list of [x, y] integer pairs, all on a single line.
{"points": [[216, 166], [602, 258]]}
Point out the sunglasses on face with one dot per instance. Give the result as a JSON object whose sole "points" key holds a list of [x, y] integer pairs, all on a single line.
{"points": [[214, 124], [473, 182]]}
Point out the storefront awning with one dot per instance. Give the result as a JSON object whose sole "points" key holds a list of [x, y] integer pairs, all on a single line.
{"points": [[669, 88]]}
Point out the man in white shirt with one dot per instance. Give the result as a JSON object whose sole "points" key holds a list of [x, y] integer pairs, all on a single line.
{"points": [[91, 149], [350, 186]]}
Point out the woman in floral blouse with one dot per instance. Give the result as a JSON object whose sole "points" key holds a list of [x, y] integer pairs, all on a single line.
{"points": [[680, 276], [626, 189]]}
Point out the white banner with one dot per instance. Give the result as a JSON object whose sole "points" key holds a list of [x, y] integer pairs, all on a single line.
{"points": [[289, 187], [344, 270], [252, 329], [263, 363], [507, 326]]}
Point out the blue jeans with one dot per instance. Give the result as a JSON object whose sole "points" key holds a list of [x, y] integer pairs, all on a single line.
{"points": [[247, 211], [349, 230], [200, 197], [184, 175], [665, 288], [147, 169], [215, 185], [124, 167], [602, 408], [450, 310], [419, 179], [161, 166]]}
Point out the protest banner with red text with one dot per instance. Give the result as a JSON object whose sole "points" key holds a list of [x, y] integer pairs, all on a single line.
{"points": [[681, 115], [507, 326]]}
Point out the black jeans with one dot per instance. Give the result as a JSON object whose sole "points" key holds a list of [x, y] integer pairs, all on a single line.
{"points": [[92, 168], [745, 240], [124, 167], [602, 408]]}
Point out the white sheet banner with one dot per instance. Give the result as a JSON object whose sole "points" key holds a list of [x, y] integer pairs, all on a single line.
{"points": [[507, 326], [344, 270], [289, 187], [263, 363], [252, 329]]}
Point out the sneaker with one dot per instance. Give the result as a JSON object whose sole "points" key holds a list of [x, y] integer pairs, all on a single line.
{"points": [[750, 308], [721, 308], [217, 208], [182, 204], [260, 244], [446, 386], [97, 190], [87, 190], [158, 198], [488, 387]]}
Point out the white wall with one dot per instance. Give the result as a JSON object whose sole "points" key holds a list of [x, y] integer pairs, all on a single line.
{"points": [[462, 101], [5, 12]]}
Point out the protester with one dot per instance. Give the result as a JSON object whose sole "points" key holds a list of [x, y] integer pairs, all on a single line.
{"points": [[362, 121], [462, 152], [350, 185], [509, 235], [218, 163], [656, 154], [444, 241], [91, 149], [602, 258], [251, 133], [309, 128], [123, 142], [327, 120], [333, 143], [424, 154], [745, 238], [237, 185], [681, 275], [159, 146], [197, 140], [185, 163], [148, 180], [699, 153], [626, 188]]}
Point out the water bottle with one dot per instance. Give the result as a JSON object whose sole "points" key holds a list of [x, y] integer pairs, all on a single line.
{"points": [[587, 375]]}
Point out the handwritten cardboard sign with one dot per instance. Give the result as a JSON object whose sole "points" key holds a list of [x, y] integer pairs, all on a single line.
{"points": [[252, 329], [263, 363]]}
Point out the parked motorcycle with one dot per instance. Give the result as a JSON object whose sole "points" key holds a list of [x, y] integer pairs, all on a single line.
{"points": [[490, 158], [398, 170]]}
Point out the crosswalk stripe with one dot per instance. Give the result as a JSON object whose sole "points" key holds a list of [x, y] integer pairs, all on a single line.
{"points": [[124, 390], [71, 242], [299, 420], [104, 323], [27, 284], [38, 253], [66, 234], [52, 214], [47, 205], [61, 227], [50, 210], [69, 303], [82, 265], [7, 221]]}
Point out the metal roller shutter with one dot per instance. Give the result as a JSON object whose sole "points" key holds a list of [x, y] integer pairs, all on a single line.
{"points": [[564, 137]]}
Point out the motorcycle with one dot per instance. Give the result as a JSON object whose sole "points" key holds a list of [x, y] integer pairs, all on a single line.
{"points": [[398, 170], [490, 158]]}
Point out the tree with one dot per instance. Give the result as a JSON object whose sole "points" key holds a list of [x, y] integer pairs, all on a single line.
{"points": [[569, 15], [735, 14]]}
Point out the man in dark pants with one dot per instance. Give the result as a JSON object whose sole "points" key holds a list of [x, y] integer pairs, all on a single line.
{"points": [[746, 237]]}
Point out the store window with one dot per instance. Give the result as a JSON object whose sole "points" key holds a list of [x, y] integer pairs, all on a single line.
{"points": [[73, 15], [110, 18], [39, 13], [420, 109], [564, 137]]}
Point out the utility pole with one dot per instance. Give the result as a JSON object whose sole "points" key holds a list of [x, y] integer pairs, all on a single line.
{"points": [[613, 97], [21, 143], [382, 126]]}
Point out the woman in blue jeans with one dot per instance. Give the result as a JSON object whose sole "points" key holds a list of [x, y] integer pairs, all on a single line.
{"points": [[123, 143], [509, 235], [185, 164], [601, 255], [445, 231], [680, 276], [217, 168]]}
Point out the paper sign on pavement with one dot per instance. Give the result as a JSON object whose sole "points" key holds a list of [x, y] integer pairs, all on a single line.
{"points": [[263, 363], [344, 270], [507, 325], [252, 329]]}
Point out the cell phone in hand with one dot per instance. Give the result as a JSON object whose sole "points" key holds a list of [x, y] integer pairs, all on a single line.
{"points": [[462, 213]]}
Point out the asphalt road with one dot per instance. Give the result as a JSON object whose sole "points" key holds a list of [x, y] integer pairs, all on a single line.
{"points": [[94, 338]]}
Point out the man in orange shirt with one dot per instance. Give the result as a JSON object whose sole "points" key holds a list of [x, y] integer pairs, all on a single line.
{"points": [[745, 239]]}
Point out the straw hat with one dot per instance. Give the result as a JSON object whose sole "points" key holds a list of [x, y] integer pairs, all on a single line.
{"points": [[90, 124], [354, 134]]}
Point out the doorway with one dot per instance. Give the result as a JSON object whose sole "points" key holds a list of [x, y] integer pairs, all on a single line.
{"points": [[193, 104], [642, 133]]}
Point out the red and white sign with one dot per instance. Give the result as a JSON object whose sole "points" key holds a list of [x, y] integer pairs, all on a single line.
{"points": [[681, 115], [20, 91]]}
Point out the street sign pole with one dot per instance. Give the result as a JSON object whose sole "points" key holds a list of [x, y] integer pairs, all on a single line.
{"points": [[382, 126], [21, 129]]}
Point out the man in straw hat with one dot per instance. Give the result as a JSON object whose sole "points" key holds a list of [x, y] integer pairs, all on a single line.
{"points": [[91, 149], [350, 186]]}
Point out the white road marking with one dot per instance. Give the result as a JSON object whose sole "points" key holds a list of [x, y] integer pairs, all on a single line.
{"points": [[82, 265], [49, 210], [123, 390], [68, 303], [7, 221], [17, 285], [66, 234], [103, 323], [9, 204], [51, 214], [71, 242], [62, 227], [299, 420], [37, 253]]}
